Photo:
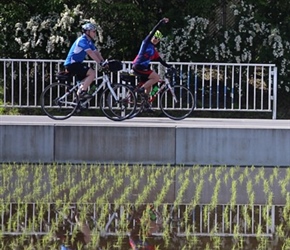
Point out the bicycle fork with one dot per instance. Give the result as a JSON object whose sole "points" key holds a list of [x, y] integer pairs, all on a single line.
{"points": [[112, 92], [172, 92]]}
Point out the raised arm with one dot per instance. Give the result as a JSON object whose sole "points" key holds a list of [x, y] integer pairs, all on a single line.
{"points": [[152, 32]]}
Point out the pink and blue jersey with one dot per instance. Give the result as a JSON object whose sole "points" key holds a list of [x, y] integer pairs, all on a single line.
{"points": [[147, 53], [77, 52]]}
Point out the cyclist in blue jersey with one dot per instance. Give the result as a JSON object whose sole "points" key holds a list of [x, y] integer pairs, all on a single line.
{"points": [[146, 54], [84, 45]]}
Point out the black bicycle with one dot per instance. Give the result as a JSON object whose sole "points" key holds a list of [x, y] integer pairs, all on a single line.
{"points": [[175, 101], [60, 101]]}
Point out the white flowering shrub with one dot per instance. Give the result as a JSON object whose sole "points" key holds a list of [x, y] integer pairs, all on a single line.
{"points": [[251, 41], [246, 41], [51, 37], [2, 37], [186, 43]]}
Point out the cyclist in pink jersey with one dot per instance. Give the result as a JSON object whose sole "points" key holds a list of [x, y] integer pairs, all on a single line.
{"points": [[148, 53]]}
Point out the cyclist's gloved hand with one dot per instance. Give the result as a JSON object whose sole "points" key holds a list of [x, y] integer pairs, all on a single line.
{"points": [[104, 63], [165, 20]]}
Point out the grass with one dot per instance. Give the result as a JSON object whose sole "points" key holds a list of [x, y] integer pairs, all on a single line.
{"points": [[206, 200]]}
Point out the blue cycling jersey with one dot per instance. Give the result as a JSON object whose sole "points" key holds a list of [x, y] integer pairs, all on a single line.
{"points": [[77, 52]]}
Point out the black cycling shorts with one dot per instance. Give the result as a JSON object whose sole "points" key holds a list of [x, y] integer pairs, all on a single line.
{"points": [[142, 73], [78, 69]]}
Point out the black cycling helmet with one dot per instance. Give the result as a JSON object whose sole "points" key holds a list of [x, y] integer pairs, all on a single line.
{"points": [[88, 26]]}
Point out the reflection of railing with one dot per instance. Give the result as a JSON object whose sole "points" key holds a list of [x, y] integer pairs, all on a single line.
{"points": [[216, 86], [184, 220]]}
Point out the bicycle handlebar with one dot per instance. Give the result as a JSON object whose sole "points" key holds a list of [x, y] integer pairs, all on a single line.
{"points": [[111, 65]]}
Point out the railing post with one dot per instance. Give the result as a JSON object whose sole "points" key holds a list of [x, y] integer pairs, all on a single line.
{"points": [[274, 114]]}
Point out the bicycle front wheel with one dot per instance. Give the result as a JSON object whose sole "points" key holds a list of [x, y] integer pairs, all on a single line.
{"points": [[119, 103], [177, 103], [58, 102]]}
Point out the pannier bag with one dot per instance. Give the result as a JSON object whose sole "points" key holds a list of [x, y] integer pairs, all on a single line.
{"points": [[127, 77]]}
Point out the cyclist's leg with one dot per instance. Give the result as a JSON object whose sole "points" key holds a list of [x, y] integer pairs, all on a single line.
{"points": [[90, 75], [84, 73], [146, 75], [153, 78]]}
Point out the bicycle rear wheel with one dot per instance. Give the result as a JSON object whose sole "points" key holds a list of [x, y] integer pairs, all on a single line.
{"points": [[177, 103], [119, 104], [57, 102]]}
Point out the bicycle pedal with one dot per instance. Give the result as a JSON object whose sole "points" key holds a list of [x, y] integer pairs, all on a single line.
{"points": [[141, 91]]}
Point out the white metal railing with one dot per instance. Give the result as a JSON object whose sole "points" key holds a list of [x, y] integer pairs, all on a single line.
{"points": [[216, 86], [203, 220]]}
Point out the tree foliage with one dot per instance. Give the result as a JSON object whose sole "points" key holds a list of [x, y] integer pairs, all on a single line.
{"points": [[124, 23], [256, 30]]}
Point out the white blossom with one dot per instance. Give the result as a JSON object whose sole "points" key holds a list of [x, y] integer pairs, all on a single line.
{"points": [[238, 59], [250, 40], [238, 42], [25, 46], [236, 12], [18, 40]]}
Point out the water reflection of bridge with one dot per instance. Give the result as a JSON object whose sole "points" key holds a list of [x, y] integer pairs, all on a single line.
{"points": [[184, 220]]}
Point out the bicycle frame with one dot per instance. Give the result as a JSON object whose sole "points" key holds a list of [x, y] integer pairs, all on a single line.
{"points": [[165, 84], [60, 100], [169, 97], [105, 83]]}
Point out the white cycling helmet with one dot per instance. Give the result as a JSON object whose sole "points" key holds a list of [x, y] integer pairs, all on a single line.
{"points": [[88, 26]]}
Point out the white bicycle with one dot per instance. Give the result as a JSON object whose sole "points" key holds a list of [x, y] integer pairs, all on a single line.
{"points": [[60, 101]]}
